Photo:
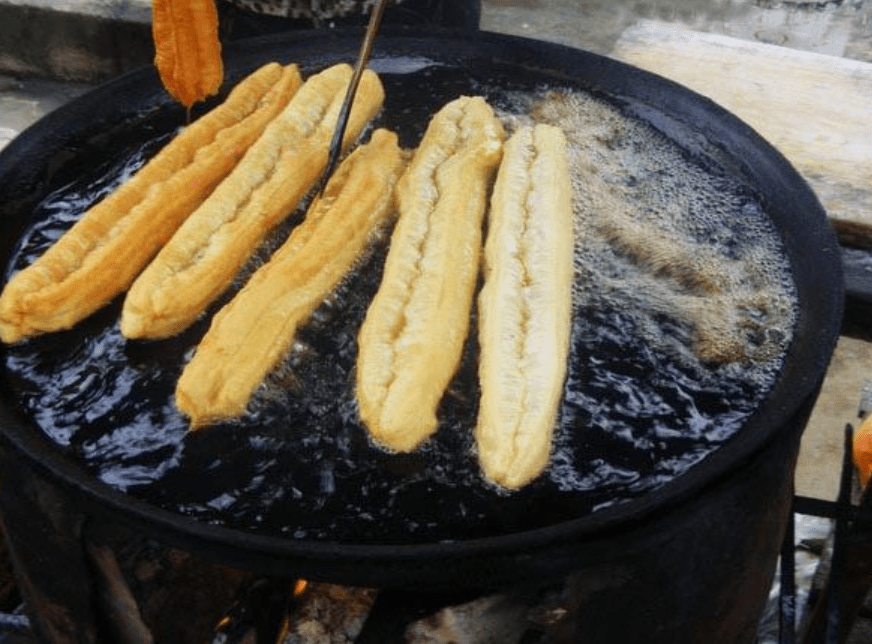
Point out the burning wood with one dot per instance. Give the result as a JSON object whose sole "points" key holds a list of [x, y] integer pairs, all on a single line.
{"points": [[494, 618], [327, 613]]}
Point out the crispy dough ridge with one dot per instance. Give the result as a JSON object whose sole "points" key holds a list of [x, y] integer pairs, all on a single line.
{"points": [[411, 340], [525, 306], [206, 253], [101, 255], [251, 334]]}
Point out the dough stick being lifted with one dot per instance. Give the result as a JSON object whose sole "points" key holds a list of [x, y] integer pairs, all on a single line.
{"points": [[413, 335], [101, 255], [187, 49], [524, 308], [255, 330], [205, 255]]}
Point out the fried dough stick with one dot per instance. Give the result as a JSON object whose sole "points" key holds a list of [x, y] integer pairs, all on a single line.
{"points": [[187, 49], [206, 253], [412, 338], [255, 330], [101, 255], [525, 306]]}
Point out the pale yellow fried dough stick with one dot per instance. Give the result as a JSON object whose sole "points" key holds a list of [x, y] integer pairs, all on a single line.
{"points": [[524, 307], [101, 255], [255, 330], [205, 255], [412, 338]]}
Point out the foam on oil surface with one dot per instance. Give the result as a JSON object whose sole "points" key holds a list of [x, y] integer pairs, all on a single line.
{"points": [[655, 228]]}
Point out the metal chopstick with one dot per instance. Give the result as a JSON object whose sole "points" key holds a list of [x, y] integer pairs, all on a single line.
{"points": [[362, 58]]}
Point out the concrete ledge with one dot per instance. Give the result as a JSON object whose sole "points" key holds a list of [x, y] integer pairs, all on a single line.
{"points": [[123, 10], [84, 41]]}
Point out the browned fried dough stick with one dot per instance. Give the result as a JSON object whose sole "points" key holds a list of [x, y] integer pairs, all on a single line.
{"points": [[206, 253], [105, 250], [705, 300], [256, 329], [187, 48], [663, 254], [412, 338], [525, 306]]}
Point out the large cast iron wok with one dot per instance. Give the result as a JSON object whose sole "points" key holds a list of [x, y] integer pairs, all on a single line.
{"points": [[742, 486]]}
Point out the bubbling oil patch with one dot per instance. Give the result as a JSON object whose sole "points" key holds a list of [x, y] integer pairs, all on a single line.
{"points": [[691, 263], [656, 229]]}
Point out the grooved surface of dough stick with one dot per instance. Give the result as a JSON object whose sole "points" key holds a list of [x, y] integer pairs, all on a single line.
{"points": [[525, 306], [204, 256], [101, 255], [412, 338], [256, 329], [187, 48]]}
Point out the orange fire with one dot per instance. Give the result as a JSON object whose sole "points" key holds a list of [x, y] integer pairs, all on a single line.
{"points": [[862, 450], [300, 587]]}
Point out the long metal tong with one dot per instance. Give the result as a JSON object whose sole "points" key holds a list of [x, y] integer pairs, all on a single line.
{"points": [[362, 59]]}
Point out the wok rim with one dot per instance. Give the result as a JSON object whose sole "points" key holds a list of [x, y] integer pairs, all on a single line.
{"points": [[805, 362]]}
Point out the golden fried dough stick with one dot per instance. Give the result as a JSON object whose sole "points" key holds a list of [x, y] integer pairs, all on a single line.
{"points": [[412, 338], [256, 329], [206, 253], [187, 49], [525, 306], [101, 255]]}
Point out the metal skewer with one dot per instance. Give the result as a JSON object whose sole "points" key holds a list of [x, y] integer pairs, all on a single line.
{"points": [[362, 58]]}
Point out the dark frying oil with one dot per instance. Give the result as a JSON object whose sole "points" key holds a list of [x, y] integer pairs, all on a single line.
{"points": [[646, 398]]}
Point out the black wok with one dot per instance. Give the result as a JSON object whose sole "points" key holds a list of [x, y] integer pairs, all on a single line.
{"points": [[742, 486]]}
